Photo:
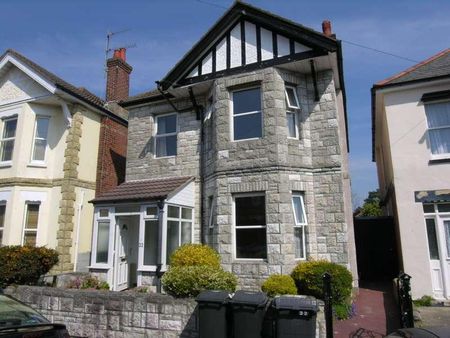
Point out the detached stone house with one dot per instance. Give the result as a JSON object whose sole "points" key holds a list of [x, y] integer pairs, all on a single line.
{"points": [[411, 148], [59, 144], [243, 146]]}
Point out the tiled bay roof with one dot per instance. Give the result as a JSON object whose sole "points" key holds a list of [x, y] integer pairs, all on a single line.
{"points": [[152, 189]]}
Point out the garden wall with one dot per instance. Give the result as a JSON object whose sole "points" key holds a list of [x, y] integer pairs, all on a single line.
{"points": [[117, 314]]}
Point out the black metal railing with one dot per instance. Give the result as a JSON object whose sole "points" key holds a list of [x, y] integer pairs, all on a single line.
{"points": [[404, 300]]}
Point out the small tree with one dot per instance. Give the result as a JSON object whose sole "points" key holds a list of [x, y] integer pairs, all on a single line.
{"points": [[371, 206]]}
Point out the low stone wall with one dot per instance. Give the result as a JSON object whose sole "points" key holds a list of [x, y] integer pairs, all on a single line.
{"points": [[112, 314], [118, 314]]}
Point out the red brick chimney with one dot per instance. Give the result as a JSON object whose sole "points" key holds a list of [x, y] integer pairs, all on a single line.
{"points": [[326, 28], [118, 78]]}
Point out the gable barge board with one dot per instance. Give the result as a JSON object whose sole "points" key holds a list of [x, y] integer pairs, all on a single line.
{"points": [[250, 67], [239, 11]]}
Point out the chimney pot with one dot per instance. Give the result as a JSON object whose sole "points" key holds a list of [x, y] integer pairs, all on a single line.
{"points": [[120, 53], [326, 28]]}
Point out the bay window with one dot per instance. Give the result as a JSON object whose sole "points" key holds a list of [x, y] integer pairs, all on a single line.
{"points": [[247, 114], [40, 139], [8, 138], [166, 135], [151, 224], [31, 224], [438, 118], [291, 118], [250, 227], [298, 206]]}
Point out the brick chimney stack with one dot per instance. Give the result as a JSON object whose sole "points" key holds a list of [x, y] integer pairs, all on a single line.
{"points": [[326, 28], [118, 76]]}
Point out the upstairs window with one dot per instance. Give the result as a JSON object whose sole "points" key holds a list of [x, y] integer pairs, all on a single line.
{"points": [[247, 114], [40, 139], [438, 118], [292, 98], [31, 224], [166, 135], [298, 205], [291, 118], [7, 141]]}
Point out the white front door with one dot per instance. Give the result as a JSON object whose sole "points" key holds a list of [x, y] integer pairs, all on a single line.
{"points": [[120, 256]]}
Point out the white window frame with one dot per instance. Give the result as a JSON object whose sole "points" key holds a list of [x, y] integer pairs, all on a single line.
{"points": [[235, 227], [295, 124], [111, 219], [292, 105], [25, 221], [32, 160], [212, 201], [3, 139], [232, 115], [2, 226], [179, 220], [298, 224], [436, 156], [156, 117], [144, 217]]}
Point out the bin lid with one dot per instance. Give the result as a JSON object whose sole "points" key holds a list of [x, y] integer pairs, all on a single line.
{"points": [[253, 298], [295, 303], [213, 296]]}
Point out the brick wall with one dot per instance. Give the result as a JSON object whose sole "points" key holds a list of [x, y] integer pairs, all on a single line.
{"points": [[111, 155]]}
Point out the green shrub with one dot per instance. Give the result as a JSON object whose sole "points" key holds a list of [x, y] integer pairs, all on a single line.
{"points": [[308, 278], [424, 301], [25, 264], [189, 281], [279, 285], [88, 282], [195, 254]]}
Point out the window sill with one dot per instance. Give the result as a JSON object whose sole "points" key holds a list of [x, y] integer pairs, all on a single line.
{"points": [[151, 268], [6, 164], [37, 165], [99, 267], [436, 159], [248, 139], [162, 157], [250, 260]]}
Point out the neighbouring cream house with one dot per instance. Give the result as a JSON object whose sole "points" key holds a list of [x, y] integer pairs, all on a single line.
{"points": [[411, 147], [53, 141], [243, 147]]}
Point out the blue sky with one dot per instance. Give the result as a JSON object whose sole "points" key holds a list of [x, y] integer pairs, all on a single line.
{"points": [[68, 38]]}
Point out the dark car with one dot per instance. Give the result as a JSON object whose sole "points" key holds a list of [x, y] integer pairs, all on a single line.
{"points": [[430, 332], [18, 320]]}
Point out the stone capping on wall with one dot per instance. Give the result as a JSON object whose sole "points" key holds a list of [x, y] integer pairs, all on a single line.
{"points": [[92, 313]]}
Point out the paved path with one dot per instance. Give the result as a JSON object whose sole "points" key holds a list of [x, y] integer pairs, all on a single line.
{"points": [[376, 314]]}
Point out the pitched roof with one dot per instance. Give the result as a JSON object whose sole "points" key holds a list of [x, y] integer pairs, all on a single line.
{"points": [[152, 189], [436, 66], [151, 95], [78, 92]]}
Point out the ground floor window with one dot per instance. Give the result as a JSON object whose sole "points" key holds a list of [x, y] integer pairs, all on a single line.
{"points": [[30, 224], [298, 205], [102, 236], [179, 228], [250, 227], [2, 221]]}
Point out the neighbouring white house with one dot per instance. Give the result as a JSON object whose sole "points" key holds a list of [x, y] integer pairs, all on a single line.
{"points": [[411, 148], [52, 147]]}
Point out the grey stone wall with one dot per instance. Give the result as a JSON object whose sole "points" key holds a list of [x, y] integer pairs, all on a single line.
{"points": [[112, 314], [119, 314], [314, 164]]}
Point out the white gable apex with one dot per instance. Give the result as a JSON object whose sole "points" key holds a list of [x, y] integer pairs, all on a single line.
{"points": [[15, 86]]}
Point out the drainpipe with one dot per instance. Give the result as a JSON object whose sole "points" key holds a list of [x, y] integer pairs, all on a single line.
{"points": [[77, 239], [159, 261]]}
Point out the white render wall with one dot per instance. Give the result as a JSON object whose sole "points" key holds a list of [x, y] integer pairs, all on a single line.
{"points": [[410, 155]]}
